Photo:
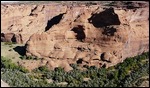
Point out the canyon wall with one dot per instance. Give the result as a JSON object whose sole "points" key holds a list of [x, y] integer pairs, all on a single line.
{"points": [[91, 35]]}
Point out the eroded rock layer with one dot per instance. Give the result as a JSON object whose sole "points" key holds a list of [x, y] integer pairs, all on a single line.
{"points": [[87, 35]]}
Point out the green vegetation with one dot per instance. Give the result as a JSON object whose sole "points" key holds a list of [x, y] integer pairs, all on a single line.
{"points": [[29, 58], [9, 43], [130, 73], [41, 69], [7, 64]]}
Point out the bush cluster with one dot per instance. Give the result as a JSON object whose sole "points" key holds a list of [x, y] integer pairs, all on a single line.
{"points": [[126, 74]]}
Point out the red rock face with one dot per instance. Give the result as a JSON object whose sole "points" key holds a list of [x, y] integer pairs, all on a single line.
{"points": [[91, 35]]}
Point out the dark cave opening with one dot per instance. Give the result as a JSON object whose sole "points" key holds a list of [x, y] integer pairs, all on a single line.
{"points": [[79, 61], [55, 20], [105, 18], [104, 66], [80, 32], [102, 56], [13, 39], [8, 37], [2, 34], [2, 37]]}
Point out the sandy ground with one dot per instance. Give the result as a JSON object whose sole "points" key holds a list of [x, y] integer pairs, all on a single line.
{"points": [[145, 84], [3, 84], [5, 51]]}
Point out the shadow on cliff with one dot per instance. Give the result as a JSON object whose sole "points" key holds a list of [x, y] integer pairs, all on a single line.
{"points": [[106, 18], [53, 21], [79, 30], [21, 50]]}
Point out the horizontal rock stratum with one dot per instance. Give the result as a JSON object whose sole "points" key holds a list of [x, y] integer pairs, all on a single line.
{"points": [[89, 35]]}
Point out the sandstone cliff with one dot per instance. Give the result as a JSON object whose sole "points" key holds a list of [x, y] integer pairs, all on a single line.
{"points": [[87, 35]]}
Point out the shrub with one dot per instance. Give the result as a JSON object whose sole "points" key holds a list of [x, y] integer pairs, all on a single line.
{"points": [[74, 66], [8, 43], [7, 64], [117, 76], [23, 57], [29, 58], [43, 69]]}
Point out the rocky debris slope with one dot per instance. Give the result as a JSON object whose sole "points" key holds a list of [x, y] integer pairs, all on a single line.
{"points": [[87, 35]]}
